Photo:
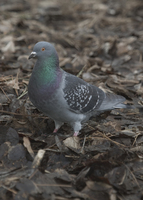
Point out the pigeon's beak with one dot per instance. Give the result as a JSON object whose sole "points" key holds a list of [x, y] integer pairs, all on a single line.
{"points": [[32, 55]]}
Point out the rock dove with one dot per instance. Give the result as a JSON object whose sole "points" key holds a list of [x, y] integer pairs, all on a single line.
{"points": [[62, 96]]}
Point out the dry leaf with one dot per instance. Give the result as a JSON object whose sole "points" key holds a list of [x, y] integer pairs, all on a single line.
{"points": [[72, 142], [28, 146]]}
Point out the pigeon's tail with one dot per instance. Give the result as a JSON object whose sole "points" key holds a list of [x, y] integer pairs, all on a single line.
{"points": [[112, 101]]}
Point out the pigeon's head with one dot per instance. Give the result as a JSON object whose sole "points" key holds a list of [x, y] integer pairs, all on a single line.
{"points": [[42, 49]]}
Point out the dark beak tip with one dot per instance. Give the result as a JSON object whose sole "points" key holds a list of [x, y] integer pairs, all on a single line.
{"points": [[32, 55]]}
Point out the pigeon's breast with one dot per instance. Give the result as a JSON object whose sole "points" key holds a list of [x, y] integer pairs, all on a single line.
{"points": [[42, 95]]}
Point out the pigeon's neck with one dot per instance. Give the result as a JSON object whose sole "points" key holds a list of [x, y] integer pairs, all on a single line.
{"points": [[47, 71]]}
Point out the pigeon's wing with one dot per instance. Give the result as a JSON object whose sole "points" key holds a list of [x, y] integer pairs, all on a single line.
{"points": [[80, 96]]}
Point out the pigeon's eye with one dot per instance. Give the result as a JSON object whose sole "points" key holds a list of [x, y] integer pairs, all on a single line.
{"points": [[43, 49]]}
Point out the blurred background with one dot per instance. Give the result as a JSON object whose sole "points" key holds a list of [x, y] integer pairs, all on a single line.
{"points": [[101, 41]]}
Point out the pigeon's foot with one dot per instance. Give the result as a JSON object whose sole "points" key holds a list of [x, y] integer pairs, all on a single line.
{"points": [[76, 127], [75, 133], [55, 130], [57, 126]]}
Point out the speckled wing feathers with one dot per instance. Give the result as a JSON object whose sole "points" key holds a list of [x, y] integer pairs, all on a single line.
{"points": [[81, 96]]}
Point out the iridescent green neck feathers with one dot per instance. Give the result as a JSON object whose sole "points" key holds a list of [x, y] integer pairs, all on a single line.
{"points": [[46, 70]]}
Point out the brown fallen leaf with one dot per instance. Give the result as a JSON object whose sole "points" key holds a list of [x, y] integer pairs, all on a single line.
{"points": [[72, 142], [27, 144], [9, 47]]}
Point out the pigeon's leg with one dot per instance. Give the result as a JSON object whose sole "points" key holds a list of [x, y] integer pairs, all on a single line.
{"points": [[76, 133], [76, 127], [57, 126]]}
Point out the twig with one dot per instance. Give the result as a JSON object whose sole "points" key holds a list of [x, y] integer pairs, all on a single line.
{"points": [[83, 144], [53, 150], [103, 135], [24, 93], [135, 139], [12, 113], [81, 71], [5, 93], [55, 185], [133, 176], [9, 189]]}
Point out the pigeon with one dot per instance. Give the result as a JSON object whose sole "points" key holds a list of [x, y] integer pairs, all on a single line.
{"points": [[62, 96]]}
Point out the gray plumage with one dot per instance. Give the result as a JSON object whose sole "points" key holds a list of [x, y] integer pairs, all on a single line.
{"points": [[64, 97]]}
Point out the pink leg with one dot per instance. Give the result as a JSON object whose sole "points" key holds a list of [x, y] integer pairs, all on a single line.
{"points": [[57, 126], [76, 127], [55, 130], [76, 133]]}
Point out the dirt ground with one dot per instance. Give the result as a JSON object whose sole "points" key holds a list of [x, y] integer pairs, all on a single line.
{"points": [[101, 41]]}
